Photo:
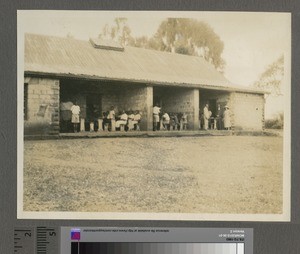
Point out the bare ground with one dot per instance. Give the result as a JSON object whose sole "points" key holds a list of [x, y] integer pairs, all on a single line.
{"points": [[230, 174]]}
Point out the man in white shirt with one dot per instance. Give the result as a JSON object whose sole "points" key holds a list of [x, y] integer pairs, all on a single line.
{"points": [[156, 111], [206, 115], [123, 119], [166, 121], [130, 124], [111, 113], [136, 120], [75, 109]]}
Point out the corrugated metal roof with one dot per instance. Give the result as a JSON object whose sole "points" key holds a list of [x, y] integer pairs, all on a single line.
{"points": [[76, 58]]}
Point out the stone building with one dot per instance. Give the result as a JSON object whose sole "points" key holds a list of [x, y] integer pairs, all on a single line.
{"points": [[100, 74]]}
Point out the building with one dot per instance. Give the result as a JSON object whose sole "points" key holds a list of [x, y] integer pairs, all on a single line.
{"points": [[100, 74]]}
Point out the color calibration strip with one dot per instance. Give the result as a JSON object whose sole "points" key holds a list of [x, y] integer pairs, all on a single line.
{"points": [[156, 248]]}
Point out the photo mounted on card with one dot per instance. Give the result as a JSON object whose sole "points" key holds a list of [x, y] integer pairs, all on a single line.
{"points": [[154, 115]]}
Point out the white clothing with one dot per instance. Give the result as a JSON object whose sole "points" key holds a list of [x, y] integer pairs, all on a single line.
{"points": [[111, 114], [166, 118], [137, 117], [124, 117], [75, 109], [123, 120], [156, 110], [207, 115], [226, 119], [120, 122]]}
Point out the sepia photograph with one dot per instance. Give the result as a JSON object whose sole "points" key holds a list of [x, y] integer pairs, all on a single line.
{"points": [[154, 115]]}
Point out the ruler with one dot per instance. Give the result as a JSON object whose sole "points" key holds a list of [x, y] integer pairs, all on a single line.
{"points": [[39, 240], [24, 240]]}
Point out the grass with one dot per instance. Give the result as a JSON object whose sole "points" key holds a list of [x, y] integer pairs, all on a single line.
{"points": [[229, 174]]}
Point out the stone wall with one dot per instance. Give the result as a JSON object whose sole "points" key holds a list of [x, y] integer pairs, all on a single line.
{"points": [[42, 106], [247, 111], [182, 100], [138, 98]]}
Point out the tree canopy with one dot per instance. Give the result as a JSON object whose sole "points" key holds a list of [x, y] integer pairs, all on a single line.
{"points": [[119, 32], [178, 35], [190, 37], [271, 79]]}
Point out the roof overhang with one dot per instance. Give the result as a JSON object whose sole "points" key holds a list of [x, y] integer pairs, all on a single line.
{"points": [[143, 81]]}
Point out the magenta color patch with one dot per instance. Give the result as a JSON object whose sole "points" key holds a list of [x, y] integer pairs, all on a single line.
{"points": [[75, 235]]}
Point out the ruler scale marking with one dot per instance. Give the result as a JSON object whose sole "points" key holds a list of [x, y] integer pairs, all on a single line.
{"points": [[38, 240]]}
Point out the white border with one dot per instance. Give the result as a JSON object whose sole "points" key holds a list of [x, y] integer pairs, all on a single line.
{"points": [[285, 216]]}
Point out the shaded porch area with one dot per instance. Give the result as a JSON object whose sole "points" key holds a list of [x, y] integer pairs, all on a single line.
{"points": [[96, 98], [216, 101], [178, 102]]}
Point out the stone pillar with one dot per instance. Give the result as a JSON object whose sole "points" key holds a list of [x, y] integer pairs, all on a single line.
{"points": [[149, 107], [195, 101], [146, 106], [113, 125], [82, 124], [100, 122], [92, 126]]}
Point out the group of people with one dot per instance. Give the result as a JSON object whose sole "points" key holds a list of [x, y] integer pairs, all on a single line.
{"points": [[222, 118], [161, 119], [165, 120], [129, 120]]}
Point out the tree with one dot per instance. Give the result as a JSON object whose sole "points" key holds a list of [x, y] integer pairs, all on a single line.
{"points": [[177, 35], [190, 37], [271, 79], [119, 32]]}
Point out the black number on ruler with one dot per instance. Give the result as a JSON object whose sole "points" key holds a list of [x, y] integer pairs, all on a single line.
{"points": [[52, 234], [27, 234]]}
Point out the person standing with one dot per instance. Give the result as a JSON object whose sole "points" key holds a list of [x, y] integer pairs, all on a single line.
{"points": [[75, 109], [219, 117], [111, 113], [105, 121], [226, 118], [184, 121], [206, 115], [111, 118], [166, 121], [156, 111]]}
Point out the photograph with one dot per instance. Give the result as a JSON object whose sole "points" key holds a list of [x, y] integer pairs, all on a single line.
{"points": [[154, 115]]}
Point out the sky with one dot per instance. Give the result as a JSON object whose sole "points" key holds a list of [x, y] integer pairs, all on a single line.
{"points": [[252, 40]]}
